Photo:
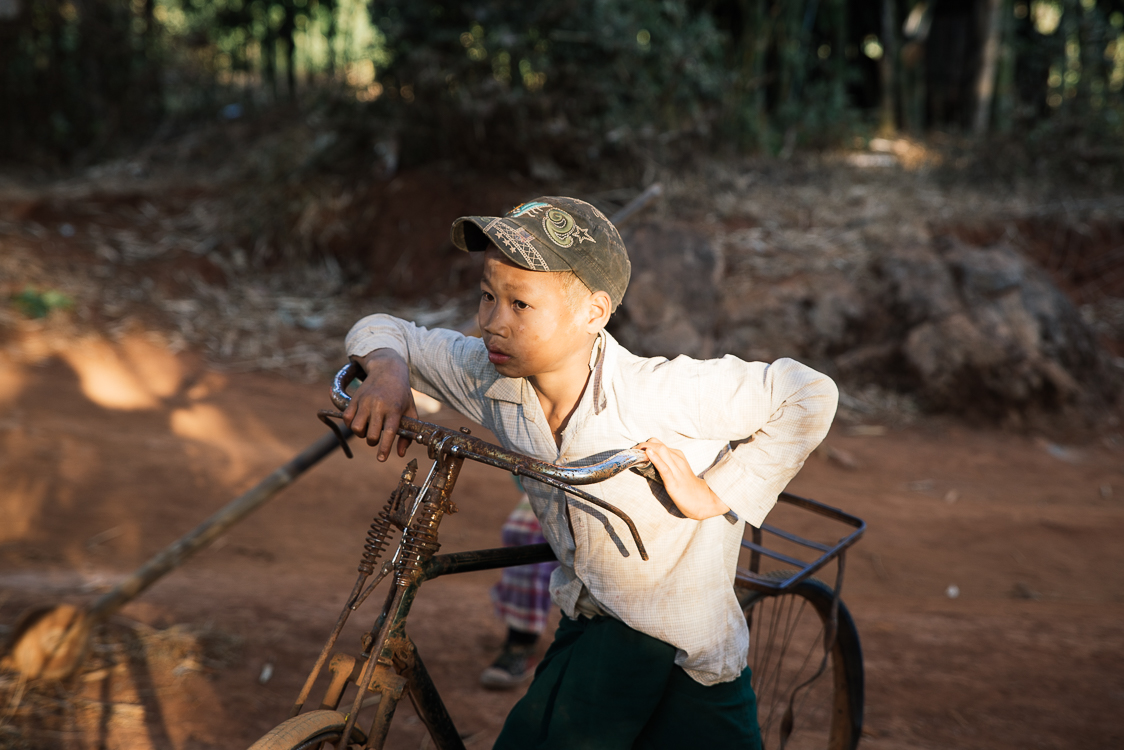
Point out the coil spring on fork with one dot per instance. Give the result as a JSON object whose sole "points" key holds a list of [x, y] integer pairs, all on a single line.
{"points": [[420, 540], [378, 535], [377, 538]]}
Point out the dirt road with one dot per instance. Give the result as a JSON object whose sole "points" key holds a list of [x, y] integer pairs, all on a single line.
{"points": [[110, 451]]}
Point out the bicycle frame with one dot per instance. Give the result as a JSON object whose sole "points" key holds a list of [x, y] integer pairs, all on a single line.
{"points": [[397, 669], [400, 668], [389, 665]]}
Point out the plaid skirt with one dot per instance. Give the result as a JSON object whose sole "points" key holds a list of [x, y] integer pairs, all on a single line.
{"points": [[522, 596]]}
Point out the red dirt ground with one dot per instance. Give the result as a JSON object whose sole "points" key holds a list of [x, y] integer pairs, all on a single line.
{"points": [[110, 453]]}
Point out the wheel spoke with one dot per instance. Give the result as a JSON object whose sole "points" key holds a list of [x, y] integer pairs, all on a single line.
{"points": [[765, 700], [780, 610], [783, 610], [787, 649], [796, 673], [793, 613]]}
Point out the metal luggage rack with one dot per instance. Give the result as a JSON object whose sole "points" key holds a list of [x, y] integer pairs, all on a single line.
{"points": [[752, 578]]}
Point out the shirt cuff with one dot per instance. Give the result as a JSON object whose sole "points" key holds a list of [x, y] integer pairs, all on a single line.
{"points": [[745, 493]]}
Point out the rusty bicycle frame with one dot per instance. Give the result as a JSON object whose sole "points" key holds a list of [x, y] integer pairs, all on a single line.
{"points": [[389, 666]]}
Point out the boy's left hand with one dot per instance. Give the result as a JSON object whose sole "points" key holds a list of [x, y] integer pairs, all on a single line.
{"points": [[690, 493]]}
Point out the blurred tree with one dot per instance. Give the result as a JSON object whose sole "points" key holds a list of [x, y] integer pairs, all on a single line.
{"points": [[561, 82], [888, 63], [989, 64], [564, 85], [76, 73], [915, 31]]}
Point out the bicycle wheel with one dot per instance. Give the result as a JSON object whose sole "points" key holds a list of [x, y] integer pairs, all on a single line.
{"points": [[786, 650], [307, 731]]}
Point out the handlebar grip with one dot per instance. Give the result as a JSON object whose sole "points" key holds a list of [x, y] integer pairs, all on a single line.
{"points": [[347, 373]]}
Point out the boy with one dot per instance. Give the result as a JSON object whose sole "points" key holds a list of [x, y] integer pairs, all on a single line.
{"points": [[649, 654]]}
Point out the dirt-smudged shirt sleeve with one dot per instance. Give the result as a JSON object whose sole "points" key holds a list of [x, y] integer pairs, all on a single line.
{"points": [[444, 364], [774, 415]]}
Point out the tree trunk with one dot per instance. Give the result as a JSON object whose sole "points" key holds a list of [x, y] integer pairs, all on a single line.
{"points": [[1005, 93], [269, 63], [989, 62], [330, 7], [786, 39], [888, 116], [761, 37], [1092, 39], [288, 26], [290, 68], [804, 50], [839, 58], [153, 80]]}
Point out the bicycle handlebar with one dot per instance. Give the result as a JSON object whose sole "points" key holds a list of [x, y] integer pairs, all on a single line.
{"points": [[440, 440], [479, 450]]}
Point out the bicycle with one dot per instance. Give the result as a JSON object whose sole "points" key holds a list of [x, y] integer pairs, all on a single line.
{"points": [[804, 648]]}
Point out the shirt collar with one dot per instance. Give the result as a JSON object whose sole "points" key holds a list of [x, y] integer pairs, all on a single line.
{"points": [[601, 355], [519, 391], [506, 389]]}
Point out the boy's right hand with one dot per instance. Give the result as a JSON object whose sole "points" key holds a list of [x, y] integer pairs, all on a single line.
{"points": [[381, 401]]}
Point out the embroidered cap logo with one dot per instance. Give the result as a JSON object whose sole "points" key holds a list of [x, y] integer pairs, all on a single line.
{"points": [[561, 228], [532, 208]]}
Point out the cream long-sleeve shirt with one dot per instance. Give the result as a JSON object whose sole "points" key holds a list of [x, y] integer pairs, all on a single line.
{"points": [[745, 427]]}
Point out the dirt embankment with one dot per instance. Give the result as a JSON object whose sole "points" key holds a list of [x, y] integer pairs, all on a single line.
{"points": [[912, 292]]}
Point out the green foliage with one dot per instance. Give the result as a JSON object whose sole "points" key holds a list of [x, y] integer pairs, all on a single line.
{"points": [[78, 78], [238, 48], [74, 75], [510, 84], [39, 304], [504, 82], [559, 80]]}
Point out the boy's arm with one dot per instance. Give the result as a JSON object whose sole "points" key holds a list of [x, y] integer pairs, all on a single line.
{"points": [[774, 415], [398, 355]]}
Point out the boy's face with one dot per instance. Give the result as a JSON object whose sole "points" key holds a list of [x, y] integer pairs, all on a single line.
{"points": [[527, 323]]}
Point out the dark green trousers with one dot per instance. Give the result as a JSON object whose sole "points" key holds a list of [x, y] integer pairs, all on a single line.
{"points": [[604, 686]]}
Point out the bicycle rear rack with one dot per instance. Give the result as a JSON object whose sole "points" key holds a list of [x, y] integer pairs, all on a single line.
{"points": [[753, 579], [487, 559]]}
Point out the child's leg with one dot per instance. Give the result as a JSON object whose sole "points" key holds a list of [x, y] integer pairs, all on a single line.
{"points": [[522, 601], [522, 596], [725, 715], [597, 687]]}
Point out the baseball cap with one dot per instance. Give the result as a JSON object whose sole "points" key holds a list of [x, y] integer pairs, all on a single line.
{"points": [[553, 233]]}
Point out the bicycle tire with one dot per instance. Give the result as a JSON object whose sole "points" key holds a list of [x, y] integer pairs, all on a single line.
{"points": [[786, 648], [307, 731]]}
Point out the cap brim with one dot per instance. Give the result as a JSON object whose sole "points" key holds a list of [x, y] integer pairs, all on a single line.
{"points": [[468, 233], [477, 233]]}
